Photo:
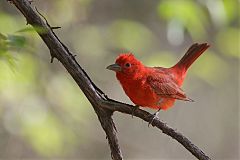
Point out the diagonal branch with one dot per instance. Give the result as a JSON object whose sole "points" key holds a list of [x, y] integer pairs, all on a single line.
{"points": [[103, 106], [60, 51]]}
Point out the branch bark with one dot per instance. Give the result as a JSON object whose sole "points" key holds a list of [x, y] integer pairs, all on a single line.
{"points": [[102, 105]]}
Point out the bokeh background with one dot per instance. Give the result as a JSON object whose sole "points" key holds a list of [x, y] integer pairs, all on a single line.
{"points": [[44, 115]]}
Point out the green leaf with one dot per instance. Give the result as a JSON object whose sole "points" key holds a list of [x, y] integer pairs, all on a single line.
{"points": [[34, 29], [2, 37], [16, 41]]}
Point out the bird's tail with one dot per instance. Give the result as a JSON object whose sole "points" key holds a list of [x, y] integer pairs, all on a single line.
{"points": [[191, 55]]}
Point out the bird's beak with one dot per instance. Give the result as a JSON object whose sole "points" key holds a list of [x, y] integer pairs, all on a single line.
{"points": [[114, 67]]}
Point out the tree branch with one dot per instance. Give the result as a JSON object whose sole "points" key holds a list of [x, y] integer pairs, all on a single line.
{"points": [[103, 106]]}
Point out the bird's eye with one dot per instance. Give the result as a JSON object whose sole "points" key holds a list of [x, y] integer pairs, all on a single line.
{"points": [[127, 65]]}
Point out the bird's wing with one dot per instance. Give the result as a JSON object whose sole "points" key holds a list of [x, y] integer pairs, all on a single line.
{"points": [[166, 87]]}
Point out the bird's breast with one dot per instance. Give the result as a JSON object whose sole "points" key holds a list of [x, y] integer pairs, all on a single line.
{"points": [[140, 92]]}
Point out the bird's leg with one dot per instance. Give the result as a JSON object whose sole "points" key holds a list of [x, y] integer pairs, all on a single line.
{"points": [[134, 109], [154, 116]]}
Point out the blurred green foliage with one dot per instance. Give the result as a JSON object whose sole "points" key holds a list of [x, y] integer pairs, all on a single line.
{"points": [[228, 41], [189, 14], [44, 110], [10, 42], [125, 34]]}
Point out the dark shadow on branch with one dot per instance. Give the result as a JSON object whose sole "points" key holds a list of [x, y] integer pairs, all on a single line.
{"points": [[103, 106]]}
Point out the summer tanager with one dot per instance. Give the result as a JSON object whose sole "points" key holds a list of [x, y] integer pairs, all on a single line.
{"points": [[154, 87]]}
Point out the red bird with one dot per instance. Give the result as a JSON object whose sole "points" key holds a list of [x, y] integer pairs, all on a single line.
{"points": [[155, 87]]}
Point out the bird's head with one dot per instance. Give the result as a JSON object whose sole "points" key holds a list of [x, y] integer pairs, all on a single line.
{"points": [[126, 64]]}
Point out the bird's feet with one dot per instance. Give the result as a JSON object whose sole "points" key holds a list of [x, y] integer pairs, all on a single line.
{"points": [[153, 116], [134, 109]]}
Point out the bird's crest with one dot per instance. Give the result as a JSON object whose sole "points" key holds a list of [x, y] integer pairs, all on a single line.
{"points": [[126, 57]]}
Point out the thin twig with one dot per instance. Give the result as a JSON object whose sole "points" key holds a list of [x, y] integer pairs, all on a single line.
{"points": [[103, 106]]}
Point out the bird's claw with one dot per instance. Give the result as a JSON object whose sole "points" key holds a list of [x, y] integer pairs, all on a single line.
{"points": [[153, 116], [134, 109]]}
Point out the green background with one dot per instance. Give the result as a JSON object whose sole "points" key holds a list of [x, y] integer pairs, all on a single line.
{"points": [[44, 115]]}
